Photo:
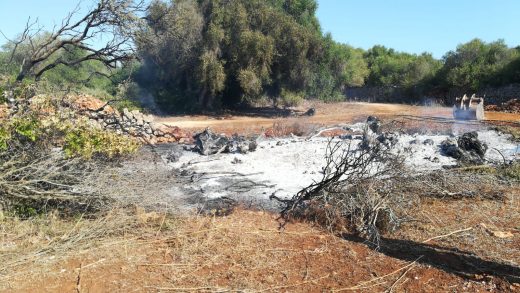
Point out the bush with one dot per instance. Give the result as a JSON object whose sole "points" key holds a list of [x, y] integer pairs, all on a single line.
{"points": [[88, 142], [511, 171], [290, 99]]}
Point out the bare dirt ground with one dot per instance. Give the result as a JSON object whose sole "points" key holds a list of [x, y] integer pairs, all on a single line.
{"points": [[326, 114], [245, 252]]}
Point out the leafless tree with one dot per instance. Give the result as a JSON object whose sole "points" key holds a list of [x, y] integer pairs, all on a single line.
{"points": [[114, 20]]}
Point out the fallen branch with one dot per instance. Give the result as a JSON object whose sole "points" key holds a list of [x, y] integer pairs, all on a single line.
{"points": [[447, 235]]}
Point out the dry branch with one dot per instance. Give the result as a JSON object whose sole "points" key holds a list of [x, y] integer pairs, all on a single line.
{"points": [[112, 19]]}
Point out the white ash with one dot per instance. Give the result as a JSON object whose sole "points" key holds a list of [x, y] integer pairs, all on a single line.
{"points": [[285, 166]]}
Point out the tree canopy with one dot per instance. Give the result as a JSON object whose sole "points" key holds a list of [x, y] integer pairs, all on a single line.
{"points": [[211, 53]]}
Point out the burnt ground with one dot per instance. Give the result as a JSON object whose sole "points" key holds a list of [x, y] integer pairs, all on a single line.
{"points": [[447, 244]]}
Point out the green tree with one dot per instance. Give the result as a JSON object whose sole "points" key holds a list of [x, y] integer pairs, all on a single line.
{"points": [[476, 64], [211, 53]]}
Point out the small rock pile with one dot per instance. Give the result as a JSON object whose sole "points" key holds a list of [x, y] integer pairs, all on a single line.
{"points": [[209, 143], [133, 123], [467, 149]]}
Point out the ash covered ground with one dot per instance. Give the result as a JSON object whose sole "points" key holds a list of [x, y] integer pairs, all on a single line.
{"points": [[283, 166]]}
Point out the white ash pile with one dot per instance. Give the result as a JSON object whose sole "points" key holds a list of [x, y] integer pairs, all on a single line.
{"points": [[133, 123], [284, 166]]}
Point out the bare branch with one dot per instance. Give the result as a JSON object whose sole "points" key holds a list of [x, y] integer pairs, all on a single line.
{"points": [[112, 19]]}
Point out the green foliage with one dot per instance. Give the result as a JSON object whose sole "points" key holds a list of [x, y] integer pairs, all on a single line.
{"points": [[290, 99], [207, 53], [78, 137], [476, 64], [5, 137], [89, 142], [28, 128], [511, 171], [24, 211], [395, 69]]}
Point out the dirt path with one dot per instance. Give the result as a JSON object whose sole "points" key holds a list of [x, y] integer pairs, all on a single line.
{"points": [[327, 114]]}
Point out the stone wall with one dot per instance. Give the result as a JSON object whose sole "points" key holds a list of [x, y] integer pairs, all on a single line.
{"points": [[133, 123]]}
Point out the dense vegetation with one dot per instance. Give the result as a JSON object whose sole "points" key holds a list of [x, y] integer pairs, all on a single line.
{"points": [[212, 53], [209, 54]]}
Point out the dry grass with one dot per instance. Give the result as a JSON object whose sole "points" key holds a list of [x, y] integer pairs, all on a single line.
{"points": [[286, 127], [514, 131], [47, 239], [145, 252]]}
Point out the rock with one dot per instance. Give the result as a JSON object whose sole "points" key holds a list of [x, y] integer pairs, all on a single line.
{"points": [[450, 148], [428, 142], [239, 144], [374, 124], [469, 142], [346, 136], [158, 126], [208, 143], [467, 149], [236, 161], [127, 114], [173, 156], [388, 139], [279, 143], [148, 118], [253, 145], [415, 141], [310, 112]]}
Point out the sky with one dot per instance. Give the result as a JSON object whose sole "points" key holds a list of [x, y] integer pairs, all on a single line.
{"points": [[414, 26]]}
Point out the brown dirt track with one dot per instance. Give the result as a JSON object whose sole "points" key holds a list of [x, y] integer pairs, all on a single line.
{"points": [[327, 114]]}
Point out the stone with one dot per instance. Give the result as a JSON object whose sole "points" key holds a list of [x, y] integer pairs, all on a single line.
{"points": [[208, 143], [469, 141], [467, 149], [310, 112], [450, 148], [428, 142], [174, 155], [388, 139], [127, 114], [159, 127], [374, 124], [148, 118]]}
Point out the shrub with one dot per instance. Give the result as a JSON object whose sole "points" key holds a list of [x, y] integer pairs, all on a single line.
{"points": [[290, 99], [511, 171], [5, 136], [88, 142]]}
